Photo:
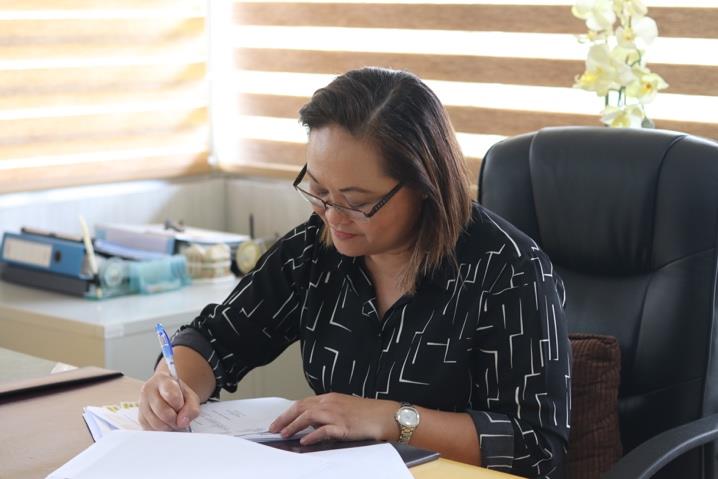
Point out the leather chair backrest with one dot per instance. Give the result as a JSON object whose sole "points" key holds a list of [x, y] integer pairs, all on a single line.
{"points": [[630, 220]]}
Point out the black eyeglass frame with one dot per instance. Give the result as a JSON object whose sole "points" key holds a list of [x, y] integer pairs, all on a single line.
{"points": [[377, 206]]}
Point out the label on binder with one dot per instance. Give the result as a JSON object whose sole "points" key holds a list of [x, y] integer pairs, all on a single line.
{"points": [[28, 252]]}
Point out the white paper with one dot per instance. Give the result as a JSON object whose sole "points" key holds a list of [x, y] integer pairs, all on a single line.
{"points": [[248, 418], [378, 461], [140, 454]]}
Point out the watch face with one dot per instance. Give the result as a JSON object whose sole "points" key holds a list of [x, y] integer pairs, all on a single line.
{"points": [[408, 417]]}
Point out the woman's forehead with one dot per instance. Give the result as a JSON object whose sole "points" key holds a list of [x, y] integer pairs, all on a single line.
{"points": [[335, 155]]}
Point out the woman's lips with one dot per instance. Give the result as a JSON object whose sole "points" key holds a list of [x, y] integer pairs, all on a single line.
{"points": [[342, 235]]}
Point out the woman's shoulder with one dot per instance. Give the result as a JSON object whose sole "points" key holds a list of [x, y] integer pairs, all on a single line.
{"points": [[487, 232], [303, 237], [494, 240]]}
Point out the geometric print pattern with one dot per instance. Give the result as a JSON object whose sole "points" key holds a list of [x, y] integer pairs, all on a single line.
{"points": [[487, 338]]}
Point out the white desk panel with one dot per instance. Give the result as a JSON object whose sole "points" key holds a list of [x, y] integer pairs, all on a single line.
{"points": [[118, 333]]}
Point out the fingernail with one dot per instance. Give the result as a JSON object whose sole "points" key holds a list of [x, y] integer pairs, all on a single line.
{"points": [[183, 421]]}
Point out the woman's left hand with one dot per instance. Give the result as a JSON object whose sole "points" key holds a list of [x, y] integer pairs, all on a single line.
{"points": [[339, 416]]}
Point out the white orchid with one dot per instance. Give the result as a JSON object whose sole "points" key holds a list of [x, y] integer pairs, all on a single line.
{"points": [[639, 34], [633, 8], [645, 88], [630, 116], [605, 71], [599, 14], [615, 64]]}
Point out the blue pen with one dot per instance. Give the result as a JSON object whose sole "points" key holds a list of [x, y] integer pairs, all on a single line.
{"points": [[169, 355]]}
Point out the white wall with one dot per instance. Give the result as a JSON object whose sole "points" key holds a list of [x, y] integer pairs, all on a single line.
{"points": [[205, 202], [197, 201], [276, 207]]}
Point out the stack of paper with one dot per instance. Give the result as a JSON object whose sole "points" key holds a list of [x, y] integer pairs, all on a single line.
{"points": [[138, 454], [246, 418]]}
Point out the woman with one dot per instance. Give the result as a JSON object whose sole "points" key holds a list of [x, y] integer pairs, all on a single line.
{"points": [[422, 317]]}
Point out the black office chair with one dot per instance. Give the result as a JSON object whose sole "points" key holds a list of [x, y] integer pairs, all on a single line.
{"points": [[630, 220]]}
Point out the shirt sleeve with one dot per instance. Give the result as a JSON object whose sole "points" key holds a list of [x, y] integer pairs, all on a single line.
{"points": [[259, 319], [522, 378]]}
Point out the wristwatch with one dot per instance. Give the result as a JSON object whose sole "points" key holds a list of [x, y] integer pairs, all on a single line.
{"points": [[407, 418]]}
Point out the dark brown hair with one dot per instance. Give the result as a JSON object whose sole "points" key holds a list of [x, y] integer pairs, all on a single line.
{"points": [[402, 117]]}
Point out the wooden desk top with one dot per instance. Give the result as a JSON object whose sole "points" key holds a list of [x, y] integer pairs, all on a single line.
{"points": [[41, 432]]}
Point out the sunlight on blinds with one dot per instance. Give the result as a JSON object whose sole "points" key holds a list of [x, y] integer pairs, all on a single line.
{"points": [[501, 67], [97, 91]]}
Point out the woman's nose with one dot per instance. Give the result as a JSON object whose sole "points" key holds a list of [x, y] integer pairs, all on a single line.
{"points": [[334, 216]]}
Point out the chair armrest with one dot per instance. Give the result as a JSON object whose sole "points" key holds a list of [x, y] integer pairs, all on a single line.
{"points": [[648, 458]]}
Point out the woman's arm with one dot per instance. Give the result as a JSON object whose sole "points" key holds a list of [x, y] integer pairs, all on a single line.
{"points": [[193, 370], [450, 433], [345, 417]]}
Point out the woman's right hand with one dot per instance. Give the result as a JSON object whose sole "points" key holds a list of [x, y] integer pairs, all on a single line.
{"points": [[163, 406]]}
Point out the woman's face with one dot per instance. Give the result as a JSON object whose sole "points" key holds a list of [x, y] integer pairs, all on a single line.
{"points": [[348, 171]]}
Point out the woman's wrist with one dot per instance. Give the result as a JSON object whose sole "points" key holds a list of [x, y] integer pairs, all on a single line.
{"points": [[390, 429]]}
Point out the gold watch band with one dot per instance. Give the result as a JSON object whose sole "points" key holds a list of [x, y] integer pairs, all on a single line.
{"points": [[405, 433]]}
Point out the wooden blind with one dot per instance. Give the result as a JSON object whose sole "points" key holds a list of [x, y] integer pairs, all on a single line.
{"points": [[502, 68], [101, 90]]}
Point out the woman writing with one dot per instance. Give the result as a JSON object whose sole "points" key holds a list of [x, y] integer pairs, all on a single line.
{"points": [[422, 317]]}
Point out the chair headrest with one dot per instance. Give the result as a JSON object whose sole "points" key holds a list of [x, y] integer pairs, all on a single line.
{"points": [[615, 201]]}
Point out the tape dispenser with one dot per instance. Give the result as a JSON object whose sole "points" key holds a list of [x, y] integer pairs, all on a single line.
{"points": [[118, 277]]}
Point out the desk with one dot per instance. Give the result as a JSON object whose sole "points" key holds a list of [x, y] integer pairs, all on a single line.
{"points": [[15, 366], [41, 432]]}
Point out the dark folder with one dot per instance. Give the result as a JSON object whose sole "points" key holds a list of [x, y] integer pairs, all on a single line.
{"points": [[48, 280], [412, 456], [22, 389]]}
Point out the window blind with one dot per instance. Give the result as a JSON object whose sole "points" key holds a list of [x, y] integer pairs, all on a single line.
{"points": [[101, 90], [501, 67]]}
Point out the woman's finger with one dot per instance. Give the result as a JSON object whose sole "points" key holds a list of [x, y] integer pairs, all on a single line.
{"points": [[190, 409], [150, 421], [292, 412], [329, 431], [171, 392], [310, 417]]}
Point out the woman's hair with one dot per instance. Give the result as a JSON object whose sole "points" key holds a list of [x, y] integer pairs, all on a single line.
{"points": [[402, 117]]}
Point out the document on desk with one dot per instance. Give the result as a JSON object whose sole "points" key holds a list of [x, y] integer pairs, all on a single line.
{"points": [[247, 418], [123, 454]]}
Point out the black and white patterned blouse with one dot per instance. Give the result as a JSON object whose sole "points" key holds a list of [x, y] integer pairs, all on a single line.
{"points": [[489, 339]]}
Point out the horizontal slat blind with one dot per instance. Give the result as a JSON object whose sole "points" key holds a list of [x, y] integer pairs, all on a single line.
{"points": [[102, 90], [501, 68]]}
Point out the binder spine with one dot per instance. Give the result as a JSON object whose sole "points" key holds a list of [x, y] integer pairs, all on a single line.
{"points": [[43, 253]]}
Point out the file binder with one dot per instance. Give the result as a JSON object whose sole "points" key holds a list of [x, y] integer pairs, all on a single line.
{"points": [[36, 278], [136, 237], [44, 253]]}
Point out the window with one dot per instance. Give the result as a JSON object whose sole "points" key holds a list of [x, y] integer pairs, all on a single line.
{"points": [[501, 67], [95, 91], [101, 90]]}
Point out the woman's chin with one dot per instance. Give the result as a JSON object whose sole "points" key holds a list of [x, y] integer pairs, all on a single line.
{"points": [[347, 249]]}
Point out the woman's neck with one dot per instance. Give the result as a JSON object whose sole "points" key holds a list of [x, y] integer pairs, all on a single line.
{"points": [[387, 265]]}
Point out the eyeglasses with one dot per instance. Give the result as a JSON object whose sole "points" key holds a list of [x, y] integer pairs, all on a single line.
{"points": [[352, 213]]}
